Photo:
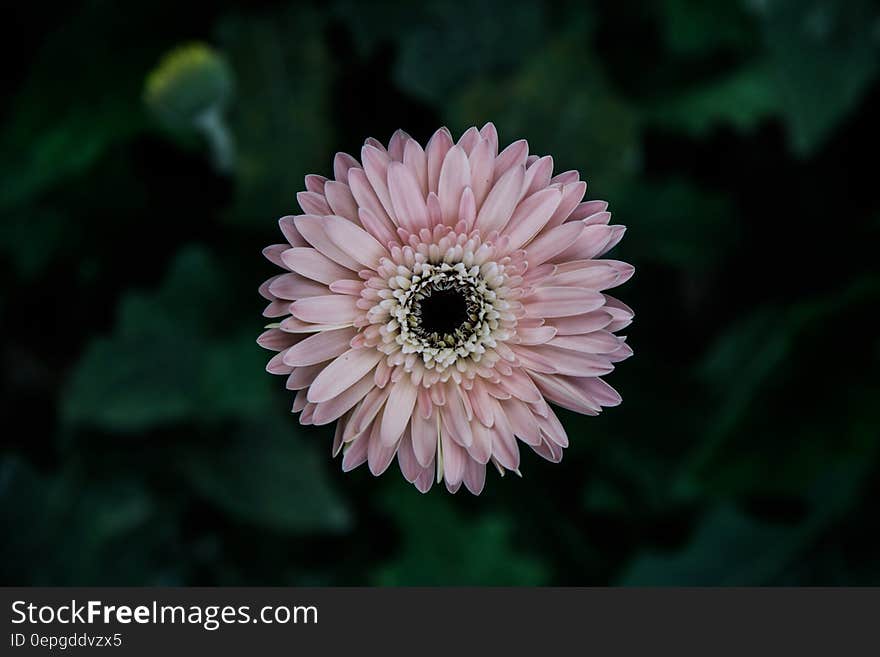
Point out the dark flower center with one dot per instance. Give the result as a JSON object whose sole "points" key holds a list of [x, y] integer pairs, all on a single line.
{"points": [[441, 311]]}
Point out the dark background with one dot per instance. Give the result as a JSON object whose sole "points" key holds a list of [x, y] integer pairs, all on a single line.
{"points": [[143, 443]]}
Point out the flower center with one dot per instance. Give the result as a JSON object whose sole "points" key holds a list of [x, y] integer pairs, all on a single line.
{"points": [[444, 312], [441, 313]]}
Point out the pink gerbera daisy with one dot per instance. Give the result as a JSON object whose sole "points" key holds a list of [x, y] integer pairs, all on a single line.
{"points": [[436, 299]]}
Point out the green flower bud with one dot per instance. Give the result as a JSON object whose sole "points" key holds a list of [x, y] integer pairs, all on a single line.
{"points": [[188, 92], [189, 81]]}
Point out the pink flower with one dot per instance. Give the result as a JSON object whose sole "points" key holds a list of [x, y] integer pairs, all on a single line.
{"points": [[435, 300]]}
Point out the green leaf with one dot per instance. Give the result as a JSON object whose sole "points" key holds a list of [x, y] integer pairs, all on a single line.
{"points": [[675, 223], [67, 529], [724, 547], [823, 54], [741, 99], [165, 361], [695, 27], [442, 547], [268, 476], [769, 429], [573, 113], [281, 121], [440, 52], [730, 548], [77, 100], [29, 238]]}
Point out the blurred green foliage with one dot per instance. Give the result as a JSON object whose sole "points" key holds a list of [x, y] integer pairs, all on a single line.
{"points": [[144, 443]]}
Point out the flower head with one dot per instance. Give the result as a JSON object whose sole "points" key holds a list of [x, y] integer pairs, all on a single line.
{"points": [[435, 300]]}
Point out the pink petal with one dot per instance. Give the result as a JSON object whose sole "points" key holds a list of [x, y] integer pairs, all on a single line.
{"points": [[302, 377], [599, 390], [311, 264], [571, 196], [436, 150], [376, 167], [490, 134], [407, 197], [512, 156], [313, 203], [294, 325], [354, 288], [501, 201], [454, 460], [398, 410], [416, 161], [597, 342], [343, 372], [366, 197], [435, 214], [522, 421], [565, 178], [467, 209], [481, 449], [381, 229], [571, 363], [481, 404], [276, 364], [531, 215], [330, 309], [406, 459], [425, 480], [319, 347], [331, 410], [455, 418], [482, 164], [534, 361], [379, 454], [616, 235], [552, 428], [342, 162], [549, 450], [562, 391], [504, 447], [537, 335], [455, 175], [424, 438], [277, 308], [355, 453], [621, 314], [538, 175], [474, 476], [593, 274], [551, 242], [562, 302], [276, 339], [521, 386], [584, 323], [469, 140], [273, 254], [354, 241], [368, 409], [291, 234], [337, 439], [396, 145], [341, 200], [312, 227], [588, 209], [293, 286], [623, 352], [315, 183], [588, 244]]}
